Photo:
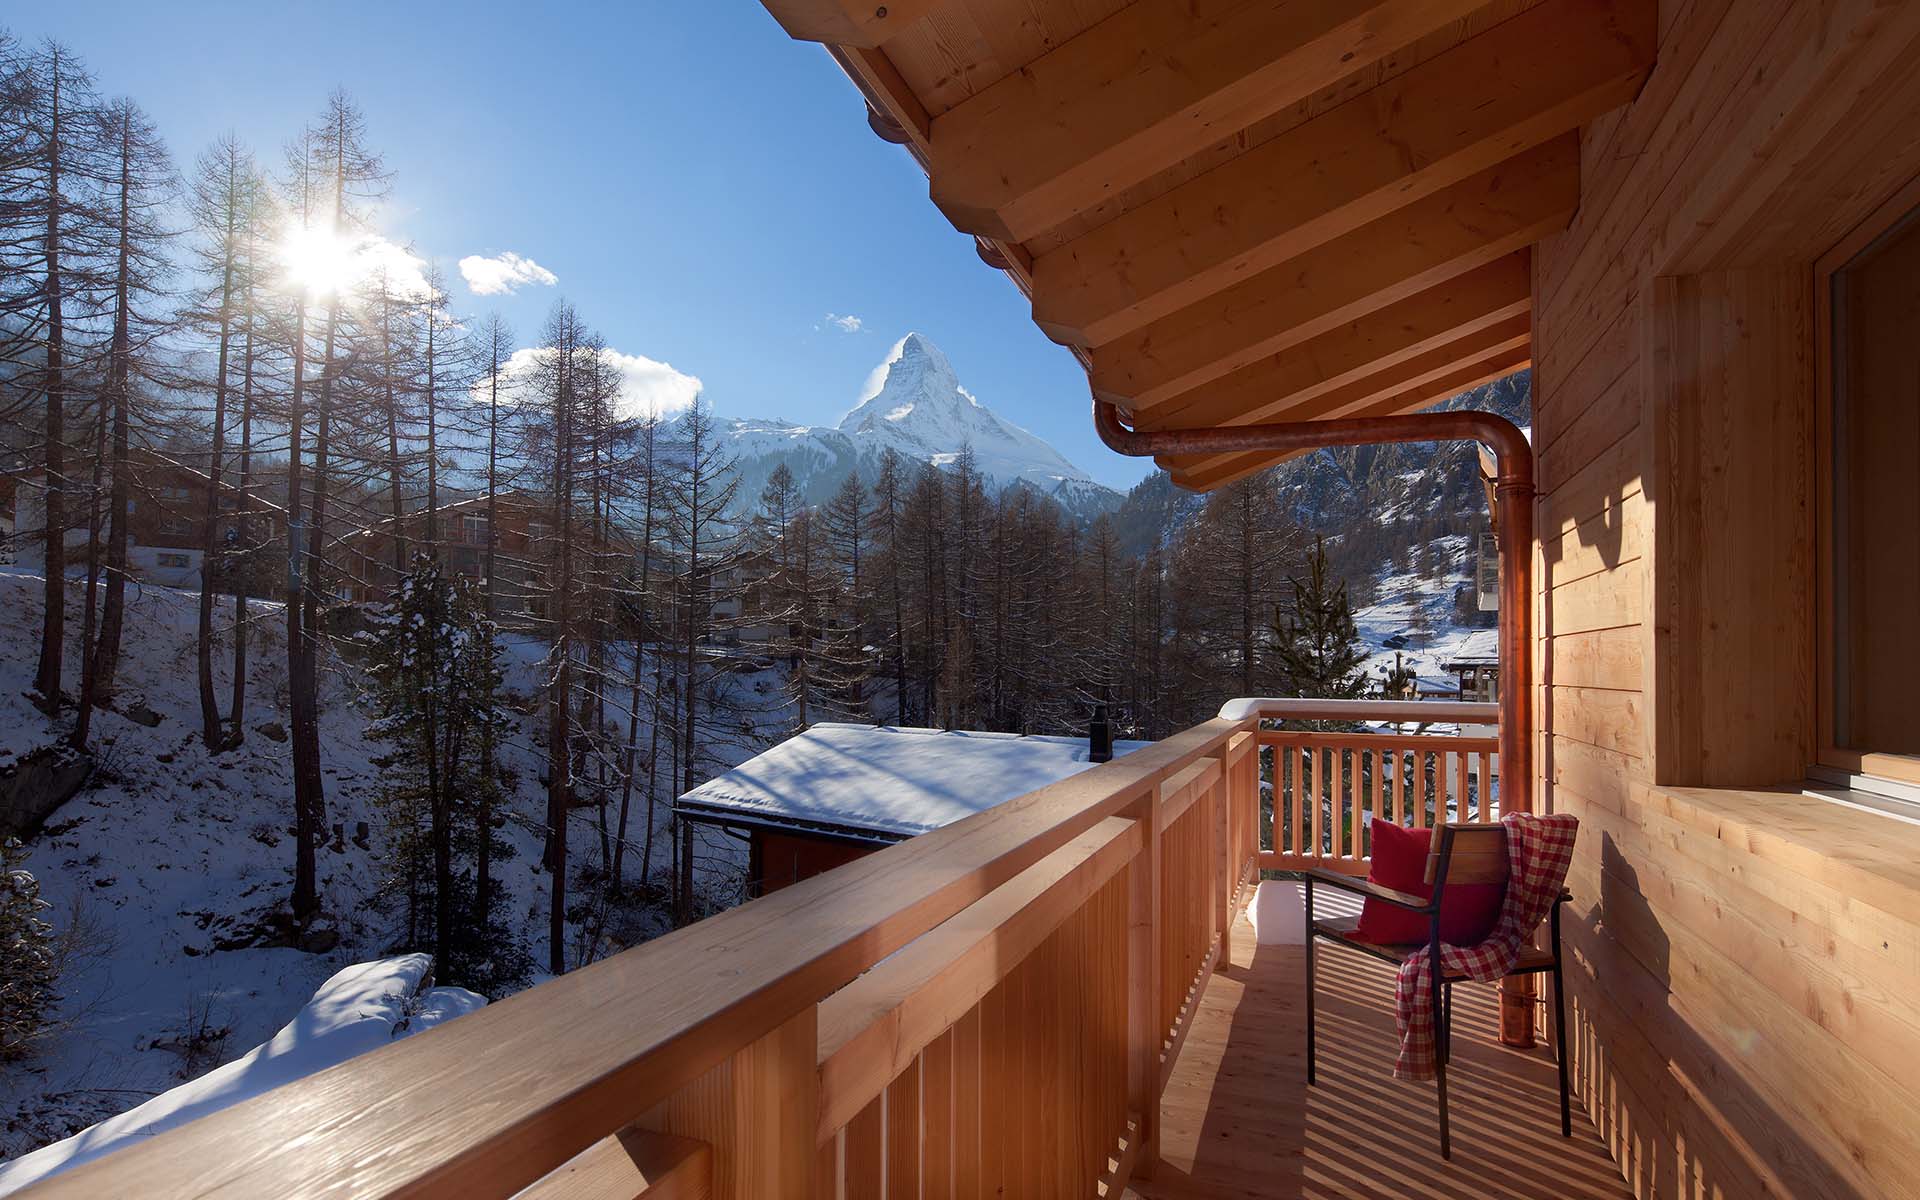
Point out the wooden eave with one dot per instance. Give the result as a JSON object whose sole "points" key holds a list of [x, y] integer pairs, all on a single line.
{"points": [[1240, 211]]}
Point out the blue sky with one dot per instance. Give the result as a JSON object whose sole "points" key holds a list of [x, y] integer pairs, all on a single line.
{"points": [[705, 189]]}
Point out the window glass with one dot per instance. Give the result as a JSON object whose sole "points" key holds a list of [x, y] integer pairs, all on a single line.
{"points": [[1875, 510]]}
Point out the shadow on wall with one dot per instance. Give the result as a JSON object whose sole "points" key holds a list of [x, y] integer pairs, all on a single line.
{"points": [[1715, 1132]]}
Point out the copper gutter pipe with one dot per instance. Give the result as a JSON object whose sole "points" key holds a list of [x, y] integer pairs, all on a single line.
{"points": [[1513, 527], [1513, 507]]}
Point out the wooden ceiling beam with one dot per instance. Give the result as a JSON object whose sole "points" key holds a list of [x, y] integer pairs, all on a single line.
{"points": [[1456, 230], [865, 23], [1505, 341], [1275, 387], [1191, 476], [1521, 83], [1144, 89], [891, 101]]}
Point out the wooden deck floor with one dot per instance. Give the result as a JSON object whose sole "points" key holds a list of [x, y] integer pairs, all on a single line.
{"points": [[1238, 1119]]}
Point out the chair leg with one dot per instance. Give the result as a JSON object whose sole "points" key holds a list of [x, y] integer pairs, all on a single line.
{"points": [[1560, 1030], [1440, 995], [1309, 941], [1446, 1023]]}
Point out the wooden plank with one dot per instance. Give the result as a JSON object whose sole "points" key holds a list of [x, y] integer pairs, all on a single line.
{"points": [[1731, 390], [1094, 116], [874, 1028], [1602, 658], [903, 1133], [863, 1154], [848, 22], [1143, 987], [1400, 346], [967, 1128], [634, 1164], [757, 1110], [1521, 83], [937, 1097], [1457, 229]]}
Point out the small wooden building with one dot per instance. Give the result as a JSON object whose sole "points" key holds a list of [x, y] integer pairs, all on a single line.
{"points": [[837, 792]]}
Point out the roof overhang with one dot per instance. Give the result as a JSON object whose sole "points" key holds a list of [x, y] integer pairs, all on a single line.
{"points": [[1243, 213]]}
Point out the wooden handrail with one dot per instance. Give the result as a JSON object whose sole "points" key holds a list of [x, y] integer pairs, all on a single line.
{"points": [[1422, 711], [497, 1100], [1048, 954]]}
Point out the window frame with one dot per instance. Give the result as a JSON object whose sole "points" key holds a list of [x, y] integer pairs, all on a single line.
{"points": [[1829, 756]]}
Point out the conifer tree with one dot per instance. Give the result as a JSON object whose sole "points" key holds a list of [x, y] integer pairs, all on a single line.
{"points": [[1317, 652], [434, 674], [28, 964]]}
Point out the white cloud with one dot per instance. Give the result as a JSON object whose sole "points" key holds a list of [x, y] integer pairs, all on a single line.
{"points": [[503, 274], [845, 322], [646, 385]]}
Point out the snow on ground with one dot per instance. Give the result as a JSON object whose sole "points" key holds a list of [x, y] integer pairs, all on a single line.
{"points": [[174, 860], [359, 1008], [1421, 610]]}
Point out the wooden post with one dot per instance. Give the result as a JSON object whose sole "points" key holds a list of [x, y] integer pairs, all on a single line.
{"points": [[683, 890], [1144, 1035], [758, 1110], [1223, 859]]}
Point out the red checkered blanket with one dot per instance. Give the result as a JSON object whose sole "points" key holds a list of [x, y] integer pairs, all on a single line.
{"points": [[1539, 849]]}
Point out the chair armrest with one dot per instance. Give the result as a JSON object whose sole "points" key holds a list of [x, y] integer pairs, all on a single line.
{"points": [[1366, 887]]}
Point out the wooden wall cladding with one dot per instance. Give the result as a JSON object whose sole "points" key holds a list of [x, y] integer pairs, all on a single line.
{"points": [[1747, 960]]}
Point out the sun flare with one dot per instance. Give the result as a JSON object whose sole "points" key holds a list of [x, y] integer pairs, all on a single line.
{"points": [[320, 261]]}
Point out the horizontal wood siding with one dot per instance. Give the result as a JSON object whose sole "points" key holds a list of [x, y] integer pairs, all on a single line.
{"points": [[1745, 987]]}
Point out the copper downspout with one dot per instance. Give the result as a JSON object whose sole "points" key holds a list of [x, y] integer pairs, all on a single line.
{"points": [[1513, 507]]}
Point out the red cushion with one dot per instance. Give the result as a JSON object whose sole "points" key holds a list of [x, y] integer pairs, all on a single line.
{"points": [[1468, 911]]}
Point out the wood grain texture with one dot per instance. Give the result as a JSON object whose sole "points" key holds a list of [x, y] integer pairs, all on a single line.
{"points": [[634, 1164], [1240, 1121], [1093, 116], [1455, 230], [1521, 83]]}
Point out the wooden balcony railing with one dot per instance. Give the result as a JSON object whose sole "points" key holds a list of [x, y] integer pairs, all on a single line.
{"points": [[992, 1008], [1323, 788]]}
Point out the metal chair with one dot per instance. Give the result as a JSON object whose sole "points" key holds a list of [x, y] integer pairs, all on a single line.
{"points": [[1461, 854]]}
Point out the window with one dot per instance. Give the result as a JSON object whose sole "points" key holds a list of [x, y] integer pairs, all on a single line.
{"points": [[176, 526], [473, 528], [538, 530], [1869, 427], [173, 560]]}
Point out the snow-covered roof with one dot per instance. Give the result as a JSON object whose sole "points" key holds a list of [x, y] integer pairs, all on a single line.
{"points": [[886, 780], [1479, 648]]}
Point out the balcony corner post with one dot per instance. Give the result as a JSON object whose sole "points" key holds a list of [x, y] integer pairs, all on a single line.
{"points": [[1144, 1035]]}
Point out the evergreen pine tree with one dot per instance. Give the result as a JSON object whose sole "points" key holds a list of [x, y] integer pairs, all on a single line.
{"points": [[28, 966], [1317, 652], [434, 674]]}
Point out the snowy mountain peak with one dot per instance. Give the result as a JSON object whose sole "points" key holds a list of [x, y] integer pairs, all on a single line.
{"points": [[916, 383], [913, 403]]}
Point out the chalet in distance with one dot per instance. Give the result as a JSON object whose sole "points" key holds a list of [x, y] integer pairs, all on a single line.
{"points": [[166, 524], [837, 792], [1265, 228]]}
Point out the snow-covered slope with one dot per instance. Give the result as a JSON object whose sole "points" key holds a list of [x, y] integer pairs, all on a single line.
{"points": [[914, 404], [171, 870], [359, 1008]]}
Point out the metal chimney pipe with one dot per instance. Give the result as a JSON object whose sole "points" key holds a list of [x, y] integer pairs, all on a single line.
{"points": [[1100, 736]]}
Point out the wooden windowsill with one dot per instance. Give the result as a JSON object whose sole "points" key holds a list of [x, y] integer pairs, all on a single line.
{"points": [[1865, 855]]}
